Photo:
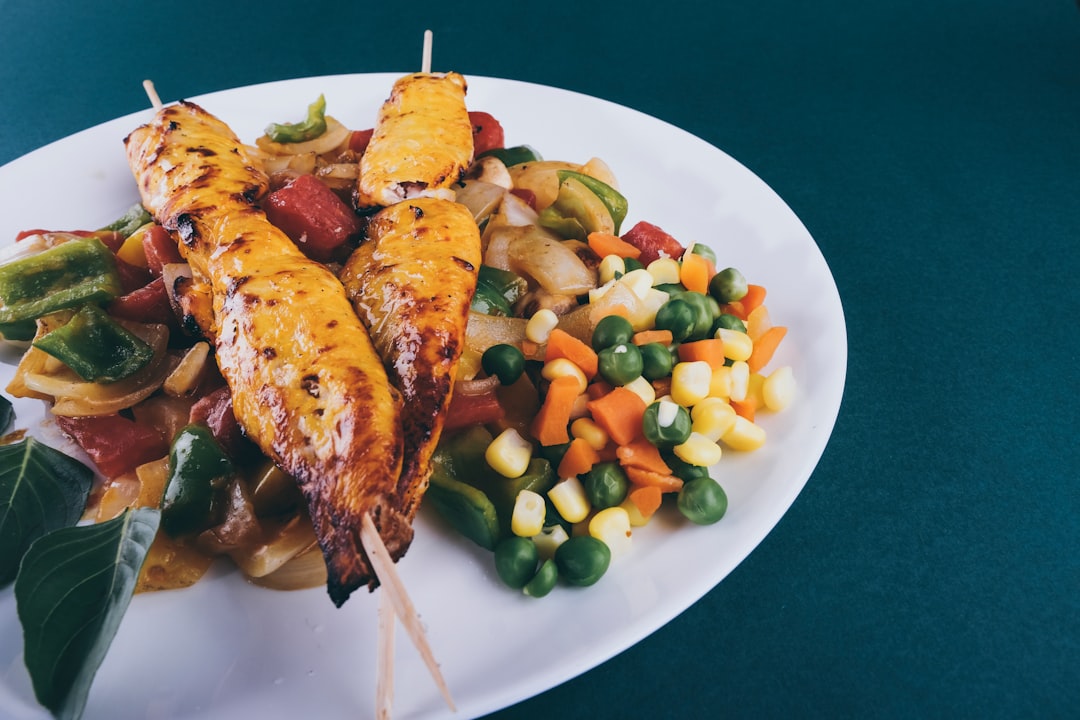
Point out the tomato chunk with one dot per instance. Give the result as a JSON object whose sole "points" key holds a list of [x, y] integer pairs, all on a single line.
{"points": [[215, 410], [316, 219], [653, 242], [148, 304], [160, 249], [468, 410], [115, 444], [487, 132], [359, 140]]}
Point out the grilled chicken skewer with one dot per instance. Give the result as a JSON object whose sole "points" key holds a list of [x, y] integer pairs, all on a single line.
{"points": [[411, 282], [422, 141], [307, 384]]}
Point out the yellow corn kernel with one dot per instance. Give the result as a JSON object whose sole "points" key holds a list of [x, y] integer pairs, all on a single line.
{"points": [[754, 384], [720, 383], [131, 250], [639, 281], [740, 380], [509, 454], [540, 325], [642, 388], [611, 266], [712, 417], [611, 526], [561, 367], [744, 435], [690, 382], [664, 271], [737, 345], [549, 540], [569, 498], [636, 518], [527, 519], [778, 390], [698, 450], [586, 429]]}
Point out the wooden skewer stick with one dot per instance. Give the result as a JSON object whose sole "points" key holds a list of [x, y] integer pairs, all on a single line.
{"points": [[384, 678], [391, 584], [148, 86], [425, 62]]}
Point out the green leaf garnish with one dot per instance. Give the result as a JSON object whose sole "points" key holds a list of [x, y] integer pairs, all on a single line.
{"points": [[41, 490], [72, 590]]}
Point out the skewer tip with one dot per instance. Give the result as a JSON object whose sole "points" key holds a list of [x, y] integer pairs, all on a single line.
{"points": [[155, 100], [425, 64]]}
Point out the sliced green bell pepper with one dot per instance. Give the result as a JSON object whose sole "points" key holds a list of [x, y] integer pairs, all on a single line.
{"points": [[513, 155], [497, 291], [126, 225], [68, 275], [613, 200], [199, 470], [309, 129], [96, 347]]}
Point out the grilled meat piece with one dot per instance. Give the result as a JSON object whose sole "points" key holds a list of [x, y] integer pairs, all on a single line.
{"points": [[422, 141], [307, 384], [411, 282]]}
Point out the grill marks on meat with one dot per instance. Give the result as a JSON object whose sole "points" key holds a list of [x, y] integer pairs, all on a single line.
{"points": [[411, 283], [307, 384]]}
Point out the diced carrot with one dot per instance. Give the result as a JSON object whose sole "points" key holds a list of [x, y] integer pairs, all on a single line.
{"points": [[609, 452], [620, 413], [734, 308], [578, 459], [664, 337], [648, 478], [550, 425], [765, 346], [745, 409], [757, 322], [695, 271], [530, 349], [647, 499], [710, 350], [643, 454], [754, 297], [606, 244], [598, 389], [562, 344]]}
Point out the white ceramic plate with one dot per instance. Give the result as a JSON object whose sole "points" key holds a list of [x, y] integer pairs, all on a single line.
{"points": [[226, 649]]}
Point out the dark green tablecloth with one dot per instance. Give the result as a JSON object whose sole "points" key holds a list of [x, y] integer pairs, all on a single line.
{"points": [[932, 148]]}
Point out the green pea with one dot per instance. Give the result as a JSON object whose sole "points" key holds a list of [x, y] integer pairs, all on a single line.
{"points": [[543, 581], [606, 485], [620, 364], [704, 313], [727, 285], [704, 251], [702, 501], [582, 560], [515, 561], [656, 361], [611, 330], [676, 315], [666, 436], [728, 321], [632, 264], [682, 469], [504, 361]]}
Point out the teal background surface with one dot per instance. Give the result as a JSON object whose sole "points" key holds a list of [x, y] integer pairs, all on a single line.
{"points": [[932, 148]]}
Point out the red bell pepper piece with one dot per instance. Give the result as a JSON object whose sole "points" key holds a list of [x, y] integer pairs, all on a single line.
{"points": [[653, 242], [316, 219]]}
